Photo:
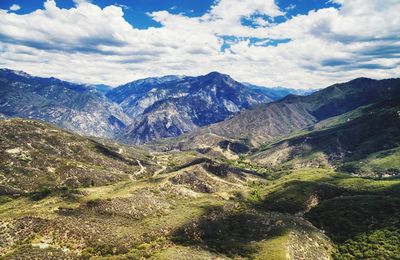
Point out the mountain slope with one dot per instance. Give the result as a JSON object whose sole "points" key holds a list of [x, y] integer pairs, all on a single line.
{"points": [[35, 156], [75, 107], [174, 106], [265, 122], [364, 141], [136, 96]]}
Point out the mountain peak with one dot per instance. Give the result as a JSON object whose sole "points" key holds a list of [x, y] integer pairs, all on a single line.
{"points": [[361, 80], [216, 74], [219, 78]]}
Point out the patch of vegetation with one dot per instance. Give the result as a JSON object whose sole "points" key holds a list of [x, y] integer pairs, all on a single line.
{"points": [[249, 233], [363, 227], [378, 244], [255, 192], [269, 173], [382, 164], [229, 233], [5, 199]]}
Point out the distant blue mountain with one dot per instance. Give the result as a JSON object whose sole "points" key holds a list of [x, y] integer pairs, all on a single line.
{"points": [[101, 88], [277, 93]]}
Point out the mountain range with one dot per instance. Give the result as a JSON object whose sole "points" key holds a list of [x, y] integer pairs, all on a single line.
{"points": [[137, 112]]}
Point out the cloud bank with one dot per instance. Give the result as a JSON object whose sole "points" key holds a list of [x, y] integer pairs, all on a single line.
{"points": [[90, 44]]}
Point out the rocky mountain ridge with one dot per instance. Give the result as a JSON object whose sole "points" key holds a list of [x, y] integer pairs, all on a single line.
{"points": [[137, 112]]}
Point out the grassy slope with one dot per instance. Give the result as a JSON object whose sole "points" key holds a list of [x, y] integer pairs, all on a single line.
{"points": [[364, 141]]}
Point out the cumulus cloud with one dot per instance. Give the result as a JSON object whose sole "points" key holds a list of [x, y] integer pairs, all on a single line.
{"points": [[15, 7], [97, 45]]}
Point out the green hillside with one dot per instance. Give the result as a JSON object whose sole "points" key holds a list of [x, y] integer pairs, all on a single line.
{"points": [[364, 141]]}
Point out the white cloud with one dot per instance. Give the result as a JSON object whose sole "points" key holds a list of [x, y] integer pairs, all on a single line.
{"points": [[290, 7], [94, 45], [15, 7]]}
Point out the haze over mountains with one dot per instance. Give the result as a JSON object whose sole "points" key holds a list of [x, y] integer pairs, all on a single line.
{"points": [[137, 112]]}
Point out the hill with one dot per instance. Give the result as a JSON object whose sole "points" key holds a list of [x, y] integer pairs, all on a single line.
{"points": [[38, 157], [133, 204], [364, 141]]}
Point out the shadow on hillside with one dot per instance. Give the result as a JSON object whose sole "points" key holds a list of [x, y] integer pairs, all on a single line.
{"points": [[297, 196], [343, 213], [345, 218], [229, 233], [111, 154]]}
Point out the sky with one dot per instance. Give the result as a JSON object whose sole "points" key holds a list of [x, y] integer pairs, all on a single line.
{"points": [[289, 43]]}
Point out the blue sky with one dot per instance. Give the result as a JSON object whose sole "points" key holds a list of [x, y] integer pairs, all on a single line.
{"points": [[135, 12], [292, 43]]}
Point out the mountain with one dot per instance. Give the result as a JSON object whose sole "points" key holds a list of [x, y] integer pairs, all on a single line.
{"points": [[170, 106], [74, 107], [136, 96], [101, 88], [262, 123]]}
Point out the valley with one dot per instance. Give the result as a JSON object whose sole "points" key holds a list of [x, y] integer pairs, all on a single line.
{"points": [[158, 205], [303, 177]]}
